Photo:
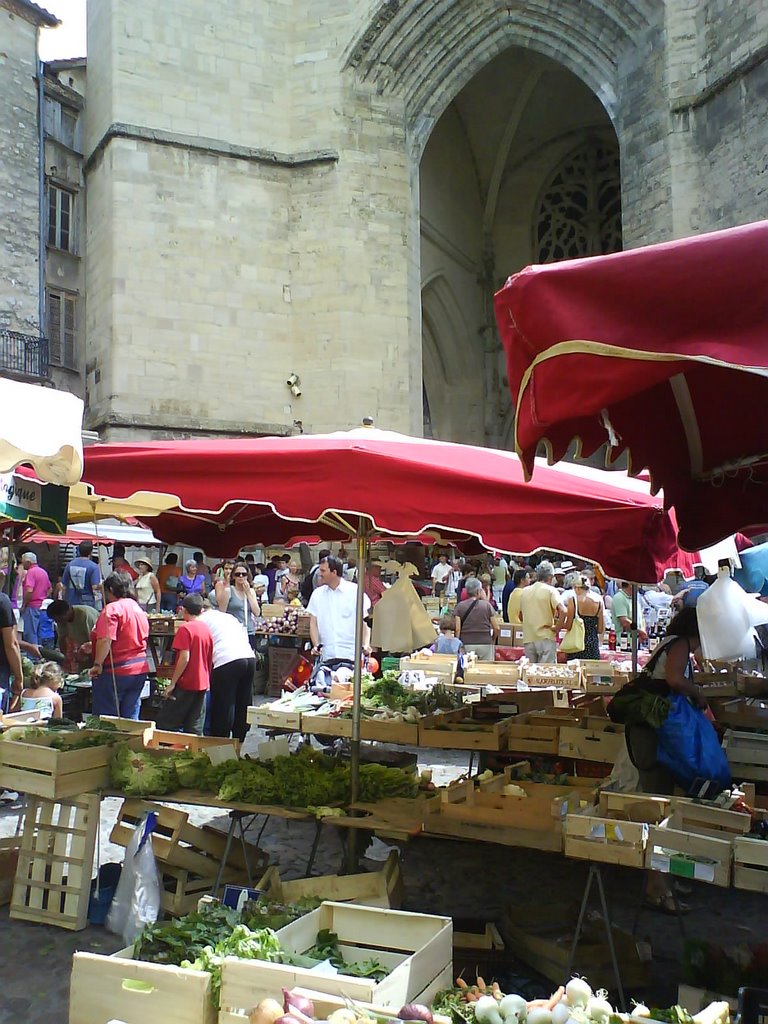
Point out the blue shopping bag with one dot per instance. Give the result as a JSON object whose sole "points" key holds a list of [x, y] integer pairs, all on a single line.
{"points": [[687, 744]]}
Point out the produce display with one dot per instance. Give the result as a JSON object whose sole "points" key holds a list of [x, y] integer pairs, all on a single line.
{"points": [[288, 622], [201, 941], [63, 735], [574, 1003], [307, 779]]}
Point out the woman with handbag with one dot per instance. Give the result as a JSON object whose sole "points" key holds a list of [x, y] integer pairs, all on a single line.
{"points": [[587, 607]]}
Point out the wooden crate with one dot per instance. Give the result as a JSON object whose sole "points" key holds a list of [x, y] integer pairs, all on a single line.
{"points": [[162, 739], [706, 819], [458, 730], [541, 935], [136, 992], [639, 807], [135, 727], [55, 861], [594, 743], [717, 684], [416, 949], [325, 725], [384, 731], [589, 837], [441, 665], [178, 843], [545, 805], [565, 677], [702, 858], [492, 673], [743, 714], [325, 1003], [20, 718], [9, 859], [182, 890], [750, 685], [694, 1000], [519, 702], [34, 767], [750, 864], [467, 813], [485, 935], [747, 754], [371, 889], [274, 716], [528, 735]]}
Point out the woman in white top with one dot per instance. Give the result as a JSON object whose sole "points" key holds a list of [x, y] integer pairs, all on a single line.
{"points": [[147, 586]]}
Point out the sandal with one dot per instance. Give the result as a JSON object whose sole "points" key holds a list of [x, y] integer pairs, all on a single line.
{"points": [[665, 904]]}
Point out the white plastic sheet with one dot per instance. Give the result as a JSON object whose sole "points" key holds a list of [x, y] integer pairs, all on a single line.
{"points": [[727, 618]]}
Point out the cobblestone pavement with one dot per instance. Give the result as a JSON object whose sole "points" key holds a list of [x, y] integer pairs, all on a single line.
{"points": [[441, 876]]}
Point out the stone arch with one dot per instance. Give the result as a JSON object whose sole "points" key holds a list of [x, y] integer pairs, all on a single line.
{"points": [[447, 357], [426, 52]]}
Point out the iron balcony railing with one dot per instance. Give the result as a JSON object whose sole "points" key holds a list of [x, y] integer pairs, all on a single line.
{"points": [[23, 354]]}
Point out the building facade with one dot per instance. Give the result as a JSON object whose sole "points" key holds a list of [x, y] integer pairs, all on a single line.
{"points": [[289, 215], [64, 224], [23, 349]]}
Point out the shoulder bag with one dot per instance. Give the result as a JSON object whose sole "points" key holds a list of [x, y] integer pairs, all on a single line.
{"points": [[640, 702], [573, 641]]}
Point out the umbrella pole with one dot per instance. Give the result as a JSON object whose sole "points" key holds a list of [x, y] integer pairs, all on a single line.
{"points": [[354, 774], [634, 629]]}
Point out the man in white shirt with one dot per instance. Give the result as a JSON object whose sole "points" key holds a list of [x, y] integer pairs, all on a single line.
{"points": [[332, 610], [232, 674], [440, 575]]}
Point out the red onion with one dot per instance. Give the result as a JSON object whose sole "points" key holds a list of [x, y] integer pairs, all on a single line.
{"points": [[291, 1018], [293, 1003], [416, 1012]]}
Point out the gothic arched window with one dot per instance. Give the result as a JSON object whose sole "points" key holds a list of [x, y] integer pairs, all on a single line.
{"points": [[579, 211]]}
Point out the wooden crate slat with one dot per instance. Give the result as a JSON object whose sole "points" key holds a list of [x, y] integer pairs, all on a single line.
{"points": [[638, 807], [100, 990], [702, 858], [589, 837], [53, 878]]}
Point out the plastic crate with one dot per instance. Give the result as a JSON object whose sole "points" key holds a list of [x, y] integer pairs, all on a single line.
{"points": [[282, 661], [753, 1005], [390, 664]]}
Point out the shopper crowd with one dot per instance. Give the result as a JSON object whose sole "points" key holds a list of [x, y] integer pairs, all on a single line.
{"points": [[83, 623]]}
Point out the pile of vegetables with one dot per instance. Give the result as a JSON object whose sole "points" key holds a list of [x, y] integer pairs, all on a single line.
{"points": [[64, 735], [306, 779], [201, 941], [299, 1009], [389, 695], [575, 1003]]}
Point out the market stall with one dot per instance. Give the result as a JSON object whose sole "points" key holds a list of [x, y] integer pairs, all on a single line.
{"points": [[657, 344]]}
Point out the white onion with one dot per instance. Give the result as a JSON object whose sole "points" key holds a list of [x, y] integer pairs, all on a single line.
{"points": [[578, 992], [538, 1015], [599, 1010], [561, 1013], [513, 1006]]}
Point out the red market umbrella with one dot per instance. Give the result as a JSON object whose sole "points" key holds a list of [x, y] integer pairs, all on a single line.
{"points": [[363, 482], [232, 493], [660, 352]]}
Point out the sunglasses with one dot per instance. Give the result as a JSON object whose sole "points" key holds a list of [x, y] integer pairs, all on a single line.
{"points": [[240, 574]]}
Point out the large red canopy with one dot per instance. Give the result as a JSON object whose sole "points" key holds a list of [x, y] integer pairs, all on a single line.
{"points": [[661, 352], [232, 493]]}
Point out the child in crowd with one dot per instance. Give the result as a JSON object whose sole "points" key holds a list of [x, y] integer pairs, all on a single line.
{"points": [[41, 693], [447, 643]]}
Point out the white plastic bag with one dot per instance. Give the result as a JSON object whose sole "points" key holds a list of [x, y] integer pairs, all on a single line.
{"points": [[137, 897], [727, 618]]}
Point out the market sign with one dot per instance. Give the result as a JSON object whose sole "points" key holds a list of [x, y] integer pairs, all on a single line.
{"points": [[29, 501]]}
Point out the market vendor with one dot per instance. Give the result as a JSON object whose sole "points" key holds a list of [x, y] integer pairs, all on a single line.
{"points": [[119, 651], [332, 610], [73, 628]]}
